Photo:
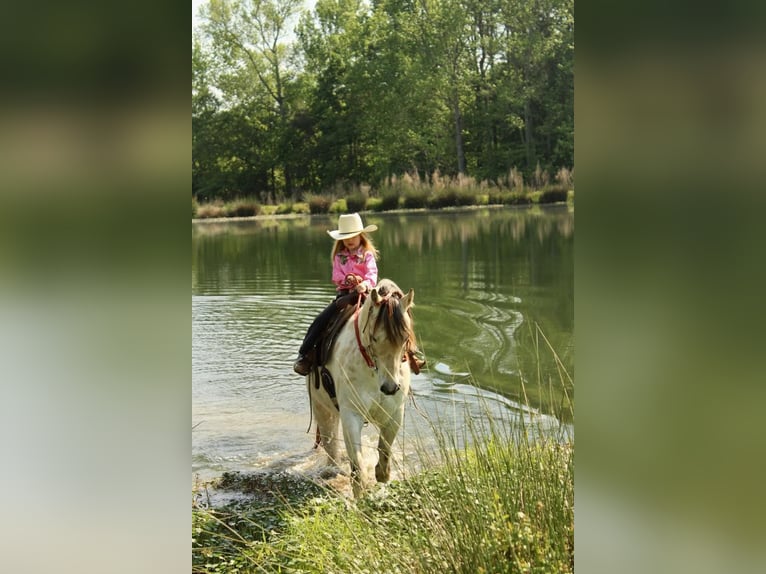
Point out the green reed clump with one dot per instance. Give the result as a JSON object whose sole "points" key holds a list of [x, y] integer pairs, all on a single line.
{"points": [[285, 208], [553, 194], [210, 210], [318, 203], [356, 202], [517, 198], [388, 201], [243, 208], [338, 206], [240, 207], [416, 198]]}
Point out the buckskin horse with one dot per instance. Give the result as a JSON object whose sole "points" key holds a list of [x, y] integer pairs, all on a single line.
{"points": [[366, 378]]}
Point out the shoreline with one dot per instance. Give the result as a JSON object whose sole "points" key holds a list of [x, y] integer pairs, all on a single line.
{"points": [[367, 212]]}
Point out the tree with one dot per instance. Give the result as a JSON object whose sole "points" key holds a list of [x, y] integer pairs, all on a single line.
{"points": [[365, 90], [536, 71], [250, 40]]}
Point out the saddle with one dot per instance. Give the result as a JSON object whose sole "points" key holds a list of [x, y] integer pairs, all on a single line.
{"points": [[327, 339], [323, 352]]}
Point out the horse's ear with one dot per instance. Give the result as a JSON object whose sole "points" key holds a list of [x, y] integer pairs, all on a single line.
{"points": [[408, 299], [375, 296]]}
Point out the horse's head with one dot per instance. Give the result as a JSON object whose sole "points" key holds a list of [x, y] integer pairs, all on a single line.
{"points": [[386, 322]]}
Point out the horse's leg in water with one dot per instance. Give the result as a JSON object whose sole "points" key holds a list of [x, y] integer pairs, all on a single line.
{"points": [[385, 442], [327, 424], [352, 434]]}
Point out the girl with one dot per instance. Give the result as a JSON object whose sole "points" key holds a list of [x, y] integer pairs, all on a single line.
{"points": [[354, 271]]}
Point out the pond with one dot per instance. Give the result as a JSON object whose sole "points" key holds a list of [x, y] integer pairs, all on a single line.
{"points": [[494, 314]]}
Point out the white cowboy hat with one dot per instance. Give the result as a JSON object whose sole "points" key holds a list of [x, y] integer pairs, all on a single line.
{"points": [[349, 225]]}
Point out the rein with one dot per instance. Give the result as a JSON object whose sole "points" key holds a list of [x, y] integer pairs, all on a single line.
{"points": [[365, 354], [367, 358]]}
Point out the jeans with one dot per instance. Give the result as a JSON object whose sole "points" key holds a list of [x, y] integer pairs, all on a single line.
{"points": [[319, 324]]}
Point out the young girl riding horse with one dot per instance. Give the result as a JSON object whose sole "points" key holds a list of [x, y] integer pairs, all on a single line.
{"points": [[354, 272]]}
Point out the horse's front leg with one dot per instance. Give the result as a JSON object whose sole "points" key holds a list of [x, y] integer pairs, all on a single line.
{"points": [[327, 431], [326, 419], [385, 442], [352, 434]]}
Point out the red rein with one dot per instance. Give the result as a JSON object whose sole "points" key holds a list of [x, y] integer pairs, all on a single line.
{"points": [[385, 299], [365, 354]]}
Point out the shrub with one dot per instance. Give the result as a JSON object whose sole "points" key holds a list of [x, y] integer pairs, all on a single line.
{"points": [[465, 196], [553, 194], [195, 207], [496, 197], [210, 210], [356, 202], [318, 203], [301, 207], [375, 204], [285, 208], [339, 206], [447, 197], [243, 208], [454, 192], [415, 198], [389, 201], [516, 198]]}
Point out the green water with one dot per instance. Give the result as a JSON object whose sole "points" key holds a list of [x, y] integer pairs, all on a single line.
{"points": [[491, 286]]}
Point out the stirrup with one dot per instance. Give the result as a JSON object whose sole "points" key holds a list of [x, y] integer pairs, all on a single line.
{"points": [[302, 366], [416, 363]]}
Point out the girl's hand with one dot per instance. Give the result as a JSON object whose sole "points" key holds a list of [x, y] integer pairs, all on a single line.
{"points": [[353, 280], [361, 287]]}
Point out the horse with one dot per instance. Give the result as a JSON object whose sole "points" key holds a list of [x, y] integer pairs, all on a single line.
{"points": [[365, 379]]}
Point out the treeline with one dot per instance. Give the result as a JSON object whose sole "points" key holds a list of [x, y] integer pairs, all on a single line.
{"points": [[287, 102]]}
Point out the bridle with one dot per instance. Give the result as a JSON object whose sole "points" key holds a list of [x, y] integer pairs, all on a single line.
{"points": [[368, 358]]}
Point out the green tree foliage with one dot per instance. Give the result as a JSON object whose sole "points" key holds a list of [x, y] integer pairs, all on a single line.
{"points": [[357, 92]]}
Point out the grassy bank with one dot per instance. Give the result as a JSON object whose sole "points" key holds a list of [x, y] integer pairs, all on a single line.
{"points": [[494, 497], [406, 192], [503, 504]]}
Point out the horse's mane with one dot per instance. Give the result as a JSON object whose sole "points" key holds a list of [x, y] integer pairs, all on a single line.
{"points": [[397, 328]]}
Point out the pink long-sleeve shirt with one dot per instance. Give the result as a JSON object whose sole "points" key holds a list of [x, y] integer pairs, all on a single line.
{"points": [[358, 262]]}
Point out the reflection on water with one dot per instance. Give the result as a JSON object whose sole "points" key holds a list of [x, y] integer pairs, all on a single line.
{"points": [[493, 292]]}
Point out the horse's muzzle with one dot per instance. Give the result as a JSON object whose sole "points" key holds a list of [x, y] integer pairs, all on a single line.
{"points": [[389, 388]]}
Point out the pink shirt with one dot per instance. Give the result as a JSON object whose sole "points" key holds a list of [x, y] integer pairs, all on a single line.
{"points": [[358, 262]]}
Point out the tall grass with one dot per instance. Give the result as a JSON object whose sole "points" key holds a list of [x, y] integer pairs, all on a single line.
{"points": [[318, 202], [240, 207], [496, 496], [411, 191], [498, 506]]}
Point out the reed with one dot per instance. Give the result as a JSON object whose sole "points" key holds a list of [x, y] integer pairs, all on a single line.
{"points": [[356, 202], [318, 202], [410, 191], [553, 194], [243, 208], [496, 496]]}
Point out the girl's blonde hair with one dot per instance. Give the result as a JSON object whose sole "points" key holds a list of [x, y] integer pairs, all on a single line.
{"points": [[366, 243]]}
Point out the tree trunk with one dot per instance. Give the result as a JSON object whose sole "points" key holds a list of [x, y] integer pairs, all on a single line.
{"points": [[528, 135], [458, 134]]}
